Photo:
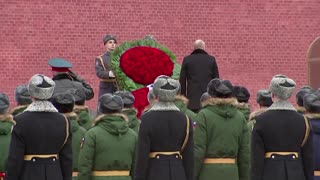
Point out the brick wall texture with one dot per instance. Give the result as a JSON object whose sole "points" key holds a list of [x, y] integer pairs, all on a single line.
{"points": [[252, 40]]}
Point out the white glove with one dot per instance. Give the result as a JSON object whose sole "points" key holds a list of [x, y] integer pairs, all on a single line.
{"points": [[111, 74]]}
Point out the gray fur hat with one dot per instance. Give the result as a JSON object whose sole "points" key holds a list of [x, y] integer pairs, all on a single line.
{"points": [[41, 87], [264, 98], [312, 103], [301, 93], [127, 98], [22, 95], [109, 103], [109, 37], [4, 103], [165, 88], [282, 86]]}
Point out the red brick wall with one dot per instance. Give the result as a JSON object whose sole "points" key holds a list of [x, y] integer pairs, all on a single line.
{"points": [[251, 39]]}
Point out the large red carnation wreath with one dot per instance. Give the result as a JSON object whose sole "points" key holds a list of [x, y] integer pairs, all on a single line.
{"points": [[138, 63]]}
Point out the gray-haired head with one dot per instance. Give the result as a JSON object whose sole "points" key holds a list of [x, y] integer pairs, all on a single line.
{"points": [[282, 87], [41, 87], [165, 88], [22, 95], [199, 44]]}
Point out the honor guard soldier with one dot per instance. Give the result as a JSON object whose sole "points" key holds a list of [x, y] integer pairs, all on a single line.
{"points": [[40, 145], [129, 110], [264, 100], [108, 149], [312, 105], [299, 98], [165, 140], [85, 120], [6, 125], [242, 95], [281, 145], [64, 102], [65, 79], [103, 70], [23, 99], [221, 138]]}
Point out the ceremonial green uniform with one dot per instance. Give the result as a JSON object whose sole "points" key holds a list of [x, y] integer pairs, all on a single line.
{"points": [[221, 141], [109, 146]]}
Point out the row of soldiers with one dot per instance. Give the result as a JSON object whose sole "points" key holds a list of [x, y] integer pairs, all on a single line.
{"points": [[111, 143]]}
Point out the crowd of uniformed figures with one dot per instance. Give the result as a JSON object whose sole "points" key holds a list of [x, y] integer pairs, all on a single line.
{"points": [[55, 137]]}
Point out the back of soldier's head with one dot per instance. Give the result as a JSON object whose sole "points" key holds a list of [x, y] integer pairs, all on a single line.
{"points": [[79, 96], [22, 95], [301, 93], [64, 102], [4, 103], [241, 93], [109, 103], [127, 98], [264, 98]]}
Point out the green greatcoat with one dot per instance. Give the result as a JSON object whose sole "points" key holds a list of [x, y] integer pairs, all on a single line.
{"points": [[85, 120], [78, 133], [245, 109], [6, 124], [221, 132], [134, 122], [182, 102], [109, 146], [18, 109]]}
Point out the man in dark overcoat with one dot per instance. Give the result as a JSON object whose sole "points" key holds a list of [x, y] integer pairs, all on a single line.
{"points": [[281, 140], [40, 145], [197, 70]]}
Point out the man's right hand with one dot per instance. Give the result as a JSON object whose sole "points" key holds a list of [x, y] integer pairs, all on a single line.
{"points": [[111, 74]]}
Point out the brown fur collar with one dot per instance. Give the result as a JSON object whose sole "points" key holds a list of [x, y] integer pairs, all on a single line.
{"points": [[243, 105], [18, 107], [7, 117], [70, 115], [300, 109], [220, 101], [183, 99], [312, 115], [126, 109], [79, 108], [101, 116], [255, 113]]}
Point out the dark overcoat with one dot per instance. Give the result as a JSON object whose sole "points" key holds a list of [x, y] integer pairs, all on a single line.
{"points": [[196, 72], [164, 131], [37, 132], [281, 129]]}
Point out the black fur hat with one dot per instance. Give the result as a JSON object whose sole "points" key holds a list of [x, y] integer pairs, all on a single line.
{"points": [[109, 103], [264, 98], [220, 88], [22, 95], [312, 103], [127, 98], [241, 93], [64, 102], [301, 93], [4, 103]]}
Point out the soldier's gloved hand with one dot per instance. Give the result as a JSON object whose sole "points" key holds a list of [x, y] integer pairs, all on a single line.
{"points": [[111, 74], [76, 77]]}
